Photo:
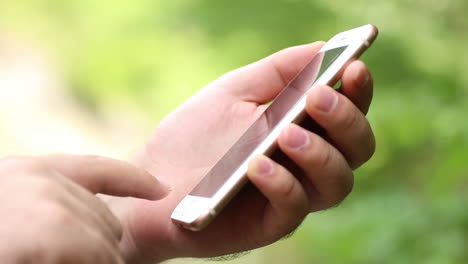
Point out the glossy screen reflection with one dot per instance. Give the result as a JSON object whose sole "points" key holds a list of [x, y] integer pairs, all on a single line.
{"points": [[260, 129]]}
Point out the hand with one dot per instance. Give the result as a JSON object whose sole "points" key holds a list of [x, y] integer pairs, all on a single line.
{"points": [[189, 141], [47, 217]]}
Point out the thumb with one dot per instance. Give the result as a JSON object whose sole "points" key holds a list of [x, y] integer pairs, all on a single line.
{"points": [[107, 176], [262, 81]]}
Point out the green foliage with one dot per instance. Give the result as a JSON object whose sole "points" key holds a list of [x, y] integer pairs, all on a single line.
{"points": [[410, 200]]}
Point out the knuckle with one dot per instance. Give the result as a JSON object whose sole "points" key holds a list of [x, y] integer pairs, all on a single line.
{"points": [[321, 154], [349, 121], [59, 214], [110, 219], [286, 187], [291, 194], [45, 187], [280, 75], [52, 203]]}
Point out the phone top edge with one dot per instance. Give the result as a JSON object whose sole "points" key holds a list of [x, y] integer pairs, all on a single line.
{"points": [[365, 34]]}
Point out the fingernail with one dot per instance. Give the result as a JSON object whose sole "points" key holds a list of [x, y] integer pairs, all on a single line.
{"points": [[296, 137], [262, 166], [325, 99]]}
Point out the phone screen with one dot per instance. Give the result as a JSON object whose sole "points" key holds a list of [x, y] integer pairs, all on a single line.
{"points": [[261, 128]]}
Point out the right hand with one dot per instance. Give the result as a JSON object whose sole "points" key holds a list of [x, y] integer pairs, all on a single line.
{"points": [[189, 141], [49, 213]]}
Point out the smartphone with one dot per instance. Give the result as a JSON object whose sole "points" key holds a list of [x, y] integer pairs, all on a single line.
{"points": [[228, 175]]}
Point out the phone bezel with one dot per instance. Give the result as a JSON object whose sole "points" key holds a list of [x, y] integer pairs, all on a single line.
{"points": [[196, 212]]}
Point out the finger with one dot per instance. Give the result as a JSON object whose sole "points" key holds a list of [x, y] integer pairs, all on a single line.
{"points": [[72, 240], [288, 202], [262, 81], [357, 85], [328, 177], [345, 125], [71, 201], [92, 209], [107, 176]]}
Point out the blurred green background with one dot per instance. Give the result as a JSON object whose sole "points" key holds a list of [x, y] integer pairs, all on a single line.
{"points": [[117, 67]]}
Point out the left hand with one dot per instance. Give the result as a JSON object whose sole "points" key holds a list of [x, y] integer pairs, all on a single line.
{"points": [[49, 213], [190, 140]]}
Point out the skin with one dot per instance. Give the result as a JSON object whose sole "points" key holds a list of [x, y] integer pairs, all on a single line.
{"points": [[63, 221], [51, 214], [191, 139]]}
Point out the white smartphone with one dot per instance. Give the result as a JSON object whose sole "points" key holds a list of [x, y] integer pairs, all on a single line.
{"points": [[228, 175]]}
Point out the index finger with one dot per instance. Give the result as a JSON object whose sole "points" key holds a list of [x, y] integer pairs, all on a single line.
{"points": [[107, 176]]}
